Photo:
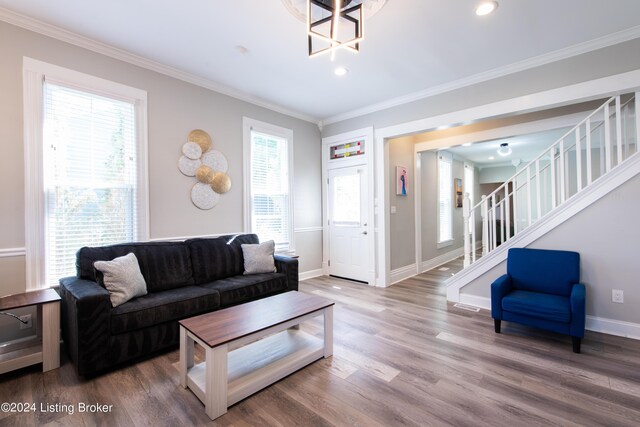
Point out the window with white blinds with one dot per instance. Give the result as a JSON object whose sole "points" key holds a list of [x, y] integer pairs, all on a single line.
{"points": [[445, 197], [90, 175], [89, 189], [269, 192]]}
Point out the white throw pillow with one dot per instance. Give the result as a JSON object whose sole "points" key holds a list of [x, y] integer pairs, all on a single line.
{"points": [[259, 258], [122, 278]]}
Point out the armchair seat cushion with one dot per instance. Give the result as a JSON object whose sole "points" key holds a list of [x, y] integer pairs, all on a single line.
{"points": [[535, 304], [238, 289], [160, 307]]}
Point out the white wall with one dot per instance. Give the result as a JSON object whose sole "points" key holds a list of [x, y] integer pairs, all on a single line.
{"points": [[175, 108]]}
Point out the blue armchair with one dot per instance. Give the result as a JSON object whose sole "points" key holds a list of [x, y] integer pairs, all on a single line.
{"points": [[541, 289]]}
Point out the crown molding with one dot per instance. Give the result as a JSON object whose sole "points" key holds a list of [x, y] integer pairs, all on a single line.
{"points": [[547, 58], [75, 39]]}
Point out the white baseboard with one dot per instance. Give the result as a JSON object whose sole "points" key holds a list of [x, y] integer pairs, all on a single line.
{"points": [[310, 274], [476, 301], [441, 259], [596, 324], [613, 327], [402, 273]]}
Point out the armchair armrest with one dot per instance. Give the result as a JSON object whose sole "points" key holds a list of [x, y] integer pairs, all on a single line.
{"points": [[86, 310], [578, 310], [499, 288], [288, 266]]}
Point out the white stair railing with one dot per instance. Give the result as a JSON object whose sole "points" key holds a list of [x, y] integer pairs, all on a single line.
{"points": [[596, 145]]}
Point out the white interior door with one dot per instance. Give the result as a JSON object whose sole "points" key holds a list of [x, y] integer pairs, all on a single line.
{"points": [[349, 236]]}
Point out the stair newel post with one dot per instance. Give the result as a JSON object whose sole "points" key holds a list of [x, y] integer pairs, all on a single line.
{"points": [[485, 225], [466, 208]]}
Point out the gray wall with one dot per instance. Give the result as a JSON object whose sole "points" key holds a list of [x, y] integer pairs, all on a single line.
{"points": [[403, 231], [603, 234], [497, 174], [175, 108]]}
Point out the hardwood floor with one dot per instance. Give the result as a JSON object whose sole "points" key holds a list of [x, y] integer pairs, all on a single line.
{"points": [[402, 356]]}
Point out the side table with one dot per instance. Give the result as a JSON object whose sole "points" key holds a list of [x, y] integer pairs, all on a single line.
{"points": [[45, 346]]}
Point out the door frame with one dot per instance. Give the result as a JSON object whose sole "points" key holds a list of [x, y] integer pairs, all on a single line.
{"points": [[365, 160]]}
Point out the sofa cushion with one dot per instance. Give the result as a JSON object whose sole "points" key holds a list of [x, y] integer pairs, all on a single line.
{"points": [[154, 309], [259, 258], [219, 257], [239, 289], [122, 278], [534, 304], [164, 265]]}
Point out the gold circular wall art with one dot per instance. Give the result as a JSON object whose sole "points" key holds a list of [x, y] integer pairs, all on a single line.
{"points": [[208, 166]]}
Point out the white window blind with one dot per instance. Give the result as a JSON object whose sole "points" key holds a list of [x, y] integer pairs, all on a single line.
{"points": [[445, 196], [270, 189], [90, 175]]}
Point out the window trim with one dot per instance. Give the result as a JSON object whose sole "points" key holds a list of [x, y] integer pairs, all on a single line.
{"points": [[446, 242], [249, 125], [34, 73]]}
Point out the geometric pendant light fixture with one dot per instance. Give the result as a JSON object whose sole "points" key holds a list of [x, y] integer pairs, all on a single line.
{"points": [[333, 25]]}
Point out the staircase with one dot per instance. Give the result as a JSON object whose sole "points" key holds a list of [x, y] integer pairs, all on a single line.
{"points": [[593, 158]]}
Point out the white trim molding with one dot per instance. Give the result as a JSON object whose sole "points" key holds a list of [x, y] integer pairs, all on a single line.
{"points": [[308, 229], [402, 273], [12, 252], [75, 39], [305, 275], [547, 58], [441, 259]]}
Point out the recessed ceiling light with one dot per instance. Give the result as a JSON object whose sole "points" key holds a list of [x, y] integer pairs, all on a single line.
{"points": [[491, 158], [242, 50], [466, 144], [486, 8], [504, 149], [340, 71]]}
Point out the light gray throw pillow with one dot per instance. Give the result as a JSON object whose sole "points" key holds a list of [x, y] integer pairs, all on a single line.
{"points": [[122, 278], [259, 258]]}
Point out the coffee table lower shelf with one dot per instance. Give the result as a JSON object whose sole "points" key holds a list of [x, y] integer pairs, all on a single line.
{"points": [[259, 364]]}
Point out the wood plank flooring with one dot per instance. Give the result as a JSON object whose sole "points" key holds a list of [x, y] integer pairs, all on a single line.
{"points": [[402, 356]]}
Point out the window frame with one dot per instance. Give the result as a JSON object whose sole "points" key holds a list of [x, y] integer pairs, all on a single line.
{"points": [[249, 125], [34, 74], [445, 242]]}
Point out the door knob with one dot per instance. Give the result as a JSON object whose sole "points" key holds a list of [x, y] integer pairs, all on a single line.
{"points": [[364, 232]]}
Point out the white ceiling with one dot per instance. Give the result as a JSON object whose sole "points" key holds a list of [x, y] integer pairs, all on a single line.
{"points": [[524, 148], [410, 45]]}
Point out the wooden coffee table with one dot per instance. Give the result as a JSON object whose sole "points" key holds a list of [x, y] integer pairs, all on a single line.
{"points": [[250, 346]]}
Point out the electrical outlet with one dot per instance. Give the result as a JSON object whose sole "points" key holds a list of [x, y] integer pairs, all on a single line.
{"points": [[617, 295], [26, 318]]}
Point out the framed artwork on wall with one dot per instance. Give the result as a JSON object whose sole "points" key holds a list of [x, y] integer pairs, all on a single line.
{"points": [[401, 180], [457, 186]]}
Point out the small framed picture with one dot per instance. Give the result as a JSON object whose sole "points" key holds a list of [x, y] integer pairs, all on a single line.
{"points": [[402, 179], [457, 187]]}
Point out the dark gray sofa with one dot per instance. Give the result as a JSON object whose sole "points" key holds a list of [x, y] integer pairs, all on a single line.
{"points": [[183, 279]]}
